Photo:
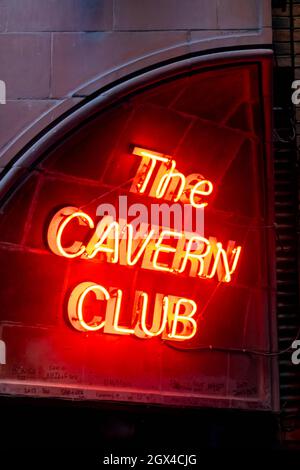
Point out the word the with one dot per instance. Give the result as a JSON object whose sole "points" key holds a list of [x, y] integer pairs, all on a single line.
{"points": [[172, 316], [168, 183]]}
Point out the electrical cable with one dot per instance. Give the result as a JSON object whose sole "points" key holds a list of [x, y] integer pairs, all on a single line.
{"points": [[254, 352]]}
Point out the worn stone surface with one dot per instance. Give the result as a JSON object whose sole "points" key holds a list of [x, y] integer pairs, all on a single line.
{"points": [[52, 49], [57, 15], [77, 58], [165, 14], [16, 115], [239, 14]]}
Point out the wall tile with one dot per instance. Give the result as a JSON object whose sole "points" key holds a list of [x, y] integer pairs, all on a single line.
{"points": [[78, 58], [25, 65], [58, 15]]}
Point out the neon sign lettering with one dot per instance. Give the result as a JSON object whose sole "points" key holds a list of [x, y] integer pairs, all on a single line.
{"points": [[168, 182], [168, 250]]}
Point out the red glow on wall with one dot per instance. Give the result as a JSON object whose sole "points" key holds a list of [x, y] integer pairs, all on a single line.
{"points": [[70, 274]]}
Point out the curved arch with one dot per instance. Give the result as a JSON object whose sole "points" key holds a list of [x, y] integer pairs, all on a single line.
{"points": [[180, 111], [22, 153]]}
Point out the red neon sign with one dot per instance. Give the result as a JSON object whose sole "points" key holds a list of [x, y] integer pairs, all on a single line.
{"points": [[169, 183], [156, 175]]}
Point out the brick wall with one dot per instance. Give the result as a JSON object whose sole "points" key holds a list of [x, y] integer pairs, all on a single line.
{"points": [[54, 53]]}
